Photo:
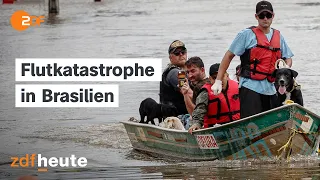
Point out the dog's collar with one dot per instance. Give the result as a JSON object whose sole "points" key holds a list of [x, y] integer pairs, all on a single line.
{"points": [[288, 94], [295, 86]]}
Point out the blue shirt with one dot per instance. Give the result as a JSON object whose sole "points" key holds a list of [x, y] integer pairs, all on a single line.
{"points": [[246, 39]]}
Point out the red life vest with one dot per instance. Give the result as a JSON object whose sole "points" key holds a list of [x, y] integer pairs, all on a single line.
{"points": [[224, 107], [259, 62]]}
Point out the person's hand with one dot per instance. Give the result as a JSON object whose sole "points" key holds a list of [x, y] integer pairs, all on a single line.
{"points": [[286, 66], [217, 87], [193, 127], [280, 63], [185, 88]]}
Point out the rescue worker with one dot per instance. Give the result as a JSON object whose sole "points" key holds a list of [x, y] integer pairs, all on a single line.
{"points": [[259, 48]]}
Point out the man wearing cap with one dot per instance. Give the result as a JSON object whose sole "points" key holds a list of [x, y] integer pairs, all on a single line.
{"points": [[259, 48], [216, 109], [170, 93]]}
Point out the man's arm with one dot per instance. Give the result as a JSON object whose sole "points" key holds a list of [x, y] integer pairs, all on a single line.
{"points": [[188, 101], [237, 47], [289, 62], [227, 58], [172, 78], [217, 86], [199, 111], [188, 95]]}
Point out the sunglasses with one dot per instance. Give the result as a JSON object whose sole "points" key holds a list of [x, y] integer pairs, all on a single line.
{"points": [[263, 15], [178, 52]]}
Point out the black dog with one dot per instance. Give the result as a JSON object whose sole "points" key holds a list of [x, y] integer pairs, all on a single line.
{"points": [[286, 86], [152, 109]]}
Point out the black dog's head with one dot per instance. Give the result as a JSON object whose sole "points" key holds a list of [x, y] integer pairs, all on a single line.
{"points": [[169, 110], [284, 79]]}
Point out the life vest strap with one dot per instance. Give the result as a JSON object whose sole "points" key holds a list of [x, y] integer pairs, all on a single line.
{"points": [[254, 70], [269, 48], [255, 62], [217, 116], [259, 72], [225, 114]]}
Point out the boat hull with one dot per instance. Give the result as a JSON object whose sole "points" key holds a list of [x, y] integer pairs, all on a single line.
{"points": [[281, 132]]}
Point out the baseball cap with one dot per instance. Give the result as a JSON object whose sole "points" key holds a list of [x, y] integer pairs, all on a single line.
{"points": [[264, 6], [176, 44], [214, 68]]}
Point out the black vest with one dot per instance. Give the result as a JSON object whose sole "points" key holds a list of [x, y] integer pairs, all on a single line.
{"points": [[169, 94]]}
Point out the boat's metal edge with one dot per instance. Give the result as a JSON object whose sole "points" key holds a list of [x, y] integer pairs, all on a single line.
{"points": [[223, 125]]}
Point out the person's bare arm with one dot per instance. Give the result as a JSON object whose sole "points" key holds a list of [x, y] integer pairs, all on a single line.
{"points": [[189, 104], [187, 95], [199, 112], [227, 58], [289, 62]]}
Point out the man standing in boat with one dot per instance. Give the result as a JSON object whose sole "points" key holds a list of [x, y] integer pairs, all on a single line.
{"points": [[170, 93], [258, 47]]}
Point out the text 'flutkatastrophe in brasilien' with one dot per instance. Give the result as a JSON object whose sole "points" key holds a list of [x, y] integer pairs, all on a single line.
{"points": [[70, 94]]}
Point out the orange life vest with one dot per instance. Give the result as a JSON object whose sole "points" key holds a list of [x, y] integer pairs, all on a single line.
{"points": [[258, 62], [224, 107]]}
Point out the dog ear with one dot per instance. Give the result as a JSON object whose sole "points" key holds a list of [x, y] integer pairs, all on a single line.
{"points": [[294, 73], [171, 110], [274, 73]]}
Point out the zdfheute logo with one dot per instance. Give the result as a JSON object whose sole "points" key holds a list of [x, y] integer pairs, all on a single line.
{"points": [[44, 162], [21, 20]]}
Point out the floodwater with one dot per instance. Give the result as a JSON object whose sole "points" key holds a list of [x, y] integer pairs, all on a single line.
{"points": [[133, 29]]}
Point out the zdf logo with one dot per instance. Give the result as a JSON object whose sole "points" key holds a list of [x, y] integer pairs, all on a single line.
{"points": [[21, 20]]}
